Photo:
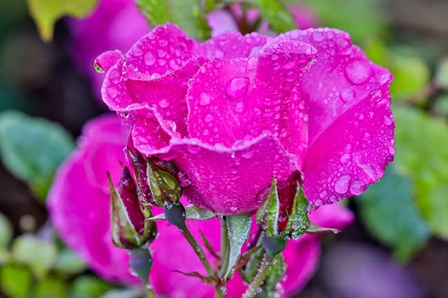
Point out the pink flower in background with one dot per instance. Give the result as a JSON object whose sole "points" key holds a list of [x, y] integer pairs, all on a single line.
{"points": [[79, 209], [235, 111], [114, 24]]}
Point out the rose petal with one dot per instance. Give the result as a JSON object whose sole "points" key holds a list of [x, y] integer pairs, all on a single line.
{"points": [[351, 131], [237, 99], [166, 94], [106, 60], [221, 21], [228, 181], [164, 49], [361, 146], [232, 45], [159, 59]]}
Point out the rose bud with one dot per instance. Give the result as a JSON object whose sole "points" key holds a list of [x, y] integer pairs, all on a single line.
{"points": [[139, 166], [130, 229], [163, 181]]}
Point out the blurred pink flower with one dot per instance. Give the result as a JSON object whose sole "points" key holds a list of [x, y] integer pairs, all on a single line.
{"points": [[235, 111], [79, 209], [114, 24]]}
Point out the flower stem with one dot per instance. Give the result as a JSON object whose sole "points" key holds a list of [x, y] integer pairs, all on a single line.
{"points": [[224, 247], [259, 278], [149, 291], [198, 250]]}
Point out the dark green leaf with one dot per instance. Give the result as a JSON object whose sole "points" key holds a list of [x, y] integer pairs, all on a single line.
{"points": [[390, 214], [51, 288], [69, 263], [422, 155], [5, 232], [33, 148], [40, 255], [15, 281], [188, 14], [88, 286]]}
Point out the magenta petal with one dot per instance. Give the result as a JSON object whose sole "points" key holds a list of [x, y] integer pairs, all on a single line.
{"points": [[164, 49], [350, 121], [228, 181], [232, 45], [166, 94], [237, 99], [350, 154], [106, 60], [79, 205]]}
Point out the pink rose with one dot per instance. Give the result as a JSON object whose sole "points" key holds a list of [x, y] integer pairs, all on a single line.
{"points": [[235, 111], [79, 209]]}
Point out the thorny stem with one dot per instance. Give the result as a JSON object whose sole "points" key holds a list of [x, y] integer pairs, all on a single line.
{"points": [[198, 250], [259, 278]]}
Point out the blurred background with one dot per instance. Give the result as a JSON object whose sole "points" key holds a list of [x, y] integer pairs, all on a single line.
{"points": [[396, 248]]}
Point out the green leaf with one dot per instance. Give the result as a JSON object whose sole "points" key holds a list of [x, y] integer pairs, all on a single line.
{"points": [[192, 212], [51, 288], [69, 263], [188, 14], [422, 155], [40, 255], [32, 149], [390, 214], [87, 286], [46, 12], [361, 18], [5, 232], [441, 77], [15, 281], [278, 17], [238, 227], [411, 73]]}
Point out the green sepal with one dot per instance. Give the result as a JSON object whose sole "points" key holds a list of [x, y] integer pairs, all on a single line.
{"points": [[124, 233], [175, 214], [298, 221], [267, 214], [274, 245], [163, 182]]}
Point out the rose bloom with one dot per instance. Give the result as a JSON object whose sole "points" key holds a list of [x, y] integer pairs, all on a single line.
{"points": [[79, 206], [235, 111]]}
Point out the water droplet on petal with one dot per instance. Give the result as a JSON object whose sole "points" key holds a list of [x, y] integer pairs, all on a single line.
{"points": [[204, 99], [237, 87], [357, 188], [387, 121], [163, 103], [149, 59], [341, 185], [358, 72]]}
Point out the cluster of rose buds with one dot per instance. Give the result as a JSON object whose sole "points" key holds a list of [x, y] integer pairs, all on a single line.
{"points": [[155, 184]]}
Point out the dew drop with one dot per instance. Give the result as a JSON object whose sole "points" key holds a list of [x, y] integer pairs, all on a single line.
{"points": [[387, 121], [357, 72], [208, 118], [204, 99], [357, 188], [149, 59], [341, 185], [163, 103], [112, 92], [237, 87]]}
